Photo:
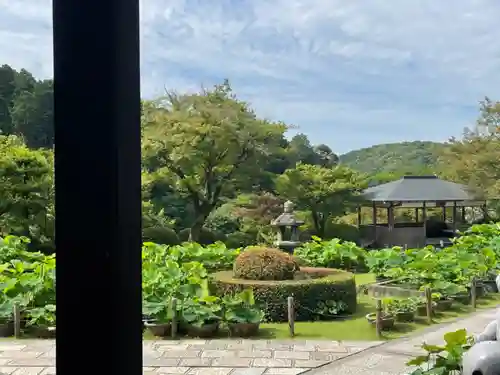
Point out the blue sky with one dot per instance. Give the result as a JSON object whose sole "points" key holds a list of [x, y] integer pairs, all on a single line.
{"points": [[348, 73]]}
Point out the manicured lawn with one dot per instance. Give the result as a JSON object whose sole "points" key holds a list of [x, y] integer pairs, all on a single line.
{"points": [[357, 328]]}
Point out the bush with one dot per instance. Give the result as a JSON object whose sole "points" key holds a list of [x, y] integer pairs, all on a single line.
{"points": [[308, 293], [345, 232], [239, 239], [160, 235], [261, 263], [207, 236]]}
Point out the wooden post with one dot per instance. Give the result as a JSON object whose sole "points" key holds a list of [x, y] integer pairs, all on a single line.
{"points": [[444, 213], [17, 321], [428, 304], [463, 215], [291, 317], [359, 216], [416, 214], [473, 293], [374, 221], [378, 317], [174, 318]]}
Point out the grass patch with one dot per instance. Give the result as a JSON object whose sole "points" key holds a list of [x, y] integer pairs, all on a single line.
{"points": [[357, 328]]}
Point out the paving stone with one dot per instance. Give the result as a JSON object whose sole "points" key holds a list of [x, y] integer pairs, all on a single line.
{"points": [[326, 356], [161, 362], [14, 354], [255, 354], [7, 346], [172, 370], [195, 362], [7, 370], [266, 362], [209, 371], [232, 362], [37, 362], [248, 371], [218, 353], [29, 371], [282, 354], [309, 363], [285, 371], [182, 354], [170, 347], [4, 361], [49, 371]]}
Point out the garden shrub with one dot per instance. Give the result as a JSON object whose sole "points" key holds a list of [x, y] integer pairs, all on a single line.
{"points": [[207, 236], [160, 235], [308, 293], [239, 239], [261, 263], [343, 231]]}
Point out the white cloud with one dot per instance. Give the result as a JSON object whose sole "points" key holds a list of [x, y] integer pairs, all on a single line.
{"points": [[349, 73]]}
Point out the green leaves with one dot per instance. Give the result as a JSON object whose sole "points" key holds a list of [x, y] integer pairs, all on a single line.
{"points": [[442, 359]]}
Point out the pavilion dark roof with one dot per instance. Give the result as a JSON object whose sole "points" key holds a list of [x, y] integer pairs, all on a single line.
{"points": [[418, 189]]}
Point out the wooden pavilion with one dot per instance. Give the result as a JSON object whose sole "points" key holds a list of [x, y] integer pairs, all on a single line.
{"points": [[421, 194]]}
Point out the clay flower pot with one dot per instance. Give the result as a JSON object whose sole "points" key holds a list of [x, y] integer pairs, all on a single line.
{"points": [[422, 309], [43, 332], [205, 331], [444, 304], [159, 329], [7, 329], [405, 316], [387, 321], [243, 329]]}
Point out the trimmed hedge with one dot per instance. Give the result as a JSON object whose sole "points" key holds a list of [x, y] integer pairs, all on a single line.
{"points": [[160, 235], [271, 296]]}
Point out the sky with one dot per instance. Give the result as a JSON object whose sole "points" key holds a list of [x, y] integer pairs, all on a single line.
{"points": [[348, 73]]}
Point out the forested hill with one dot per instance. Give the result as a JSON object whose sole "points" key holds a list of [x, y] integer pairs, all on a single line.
{"points": [[408, 157]]}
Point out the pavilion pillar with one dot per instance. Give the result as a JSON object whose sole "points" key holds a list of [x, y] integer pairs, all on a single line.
{"points": [[444, 213], [359, 216], [98, 187], [424, 220], [374, 220], [463, 215], [416, 214], [454, 216]]}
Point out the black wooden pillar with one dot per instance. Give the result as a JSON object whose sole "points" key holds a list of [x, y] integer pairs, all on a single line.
{"points": [[98, 202]]}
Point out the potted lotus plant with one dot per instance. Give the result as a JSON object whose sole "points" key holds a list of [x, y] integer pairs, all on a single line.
{"points": [[403, 310], [201, 316], [241, 315], [6, 318], [157, 317], [42, 321]]}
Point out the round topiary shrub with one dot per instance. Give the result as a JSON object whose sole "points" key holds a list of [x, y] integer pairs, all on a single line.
{"points": [[311, 288], [262, 263], [160, 235]]}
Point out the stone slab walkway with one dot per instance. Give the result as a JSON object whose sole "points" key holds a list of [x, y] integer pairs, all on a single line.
{"points": [[193, 357], [391, 357], [255, 357]]}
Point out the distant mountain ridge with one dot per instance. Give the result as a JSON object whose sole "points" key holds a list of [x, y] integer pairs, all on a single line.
{"points": [[408, 157]]}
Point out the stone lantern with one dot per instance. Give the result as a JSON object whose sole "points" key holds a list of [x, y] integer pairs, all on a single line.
{"points": [[287, 229]]}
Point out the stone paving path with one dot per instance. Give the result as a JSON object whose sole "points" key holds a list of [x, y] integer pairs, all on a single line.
{"points": [[391, 357], [254, 357]]}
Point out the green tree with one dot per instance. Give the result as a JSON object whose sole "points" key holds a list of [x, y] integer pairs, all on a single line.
{"points": [[26, 192], [325, 192], [203, 145], [33, 115], [473, 160], [7, 90]]}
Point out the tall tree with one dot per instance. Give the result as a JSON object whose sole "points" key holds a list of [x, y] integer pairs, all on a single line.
{"points": [[325, 192], [33, 115], [473, 160], [203, 145], [7, 91]]}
